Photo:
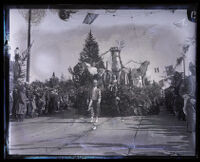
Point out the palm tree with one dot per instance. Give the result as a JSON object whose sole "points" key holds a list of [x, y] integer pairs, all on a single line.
{"points": [[181, 59]]}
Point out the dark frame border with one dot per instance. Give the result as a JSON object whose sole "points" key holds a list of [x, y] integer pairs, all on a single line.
{"points": [[54, 5]]}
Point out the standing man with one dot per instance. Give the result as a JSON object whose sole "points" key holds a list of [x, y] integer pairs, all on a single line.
{"points": [[95, 100]]}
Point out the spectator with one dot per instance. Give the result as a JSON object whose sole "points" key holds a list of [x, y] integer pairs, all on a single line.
{"points": [[29, 103], [42, 105], [15, 102], [47, 99], [34, 108], [22, 103]]}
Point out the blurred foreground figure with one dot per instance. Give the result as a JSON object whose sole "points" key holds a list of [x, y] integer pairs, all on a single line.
{"points": [[188, 92]]}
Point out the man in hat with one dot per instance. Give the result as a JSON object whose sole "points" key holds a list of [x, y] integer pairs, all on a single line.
{"points": [[95, 100]]}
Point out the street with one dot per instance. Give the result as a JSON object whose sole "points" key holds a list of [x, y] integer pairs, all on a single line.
{"points": [[154, 135]]}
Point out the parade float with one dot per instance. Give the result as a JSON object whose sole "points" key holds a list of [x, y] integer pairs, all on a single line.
{"points": [[134, 94]]}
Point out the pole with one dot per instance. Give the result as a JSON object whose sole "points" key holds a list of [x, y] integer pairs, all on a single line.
{"points": [[28, 45]]}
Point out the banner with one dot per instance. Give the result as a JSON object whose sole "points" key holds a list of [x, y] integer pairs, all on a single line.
{"points": [[90, 17]]}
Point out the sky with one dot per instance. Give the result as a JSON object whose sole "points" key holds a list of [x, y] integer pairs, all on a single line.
{"points": [[153, 35]]}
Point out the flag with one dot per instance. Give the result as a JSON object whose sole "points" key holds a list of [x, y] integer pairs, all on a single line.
{"points": [[90, 17], [156, 70], [169, 70]]}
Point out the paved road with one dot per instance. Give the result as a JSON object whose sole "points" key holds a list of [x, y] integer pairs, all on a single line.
{"points": [[155, 135]]}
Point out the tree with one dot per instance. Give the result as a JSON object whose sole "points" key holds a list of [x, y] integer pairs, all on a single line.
{"points": [[181, 59], [90, 54], [81, 76]]}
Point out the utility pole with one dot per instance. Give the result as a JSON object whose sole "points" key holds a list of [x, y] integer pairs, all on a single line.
{"points": [[28, 45]]}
